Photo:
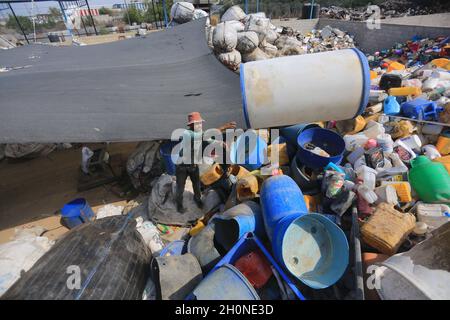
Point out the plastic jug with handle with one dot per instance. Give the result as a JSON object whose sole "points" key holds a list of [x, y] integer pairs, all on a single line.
{"points": [[430, 180]]}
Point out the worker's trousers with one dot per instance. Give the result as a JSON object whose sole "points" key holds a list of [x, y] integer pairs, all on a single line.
{"points": [[182, 172]]}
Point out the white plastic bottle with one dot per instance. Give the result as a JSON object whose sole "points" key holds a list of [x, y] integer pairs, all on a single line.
{"points": [[431, 152], [434, 215], [387, 194], [369, 195], [367, 175]]}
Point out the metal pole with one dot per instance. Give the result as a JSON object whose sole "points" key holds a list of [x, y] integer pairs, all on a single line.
{"points": [[18, 23], [84, 26], [154, 13], [93, 23], [33, 18], [159, 16], [246, 6], [311, 11], [166, 21], [257, 5], [64, 17], [128, 14]]}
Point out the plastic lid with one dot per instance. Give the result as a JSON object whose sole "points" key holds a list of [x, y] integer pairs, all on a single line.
{"points": [[420, 228]]}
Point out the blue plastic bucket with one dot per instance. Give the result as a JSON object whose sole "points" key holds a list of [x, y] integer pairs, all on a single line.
{"points": [[291, 132], [312, 248], [225, 283], [166, 154], [280, 197], [251, 155], [325, 139], [237, 221], [76, 212]]}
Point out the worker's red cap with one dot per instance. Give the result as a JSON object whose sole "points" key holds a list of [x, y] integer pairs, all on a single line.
{"points": [[194, 117]]}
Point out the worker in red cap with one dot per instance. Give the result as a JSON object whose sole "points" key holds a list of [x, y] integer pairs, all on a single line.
{"points": [[189, 167]]}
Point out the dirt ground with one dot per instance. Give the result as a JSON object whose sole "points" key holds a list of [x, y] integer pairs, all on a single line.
{"points": [[32, 192]]}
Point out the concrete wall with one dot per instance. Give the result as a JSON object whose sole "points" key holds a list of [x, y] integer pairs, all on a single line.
{"points": [[384, 38]]}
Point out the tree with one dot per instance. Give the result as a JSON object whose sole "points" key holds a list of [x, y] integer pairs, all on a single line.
{"points": [[104, 10], [55, 13], [25, 22], [134, 15]]}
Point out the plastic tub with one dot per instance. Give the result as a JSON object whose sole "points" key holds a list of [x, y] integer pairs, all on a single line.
{"points": [[420, 273], [336, 86], [305, 182], [251, 155], [325, 139], [76, 212], [237, 221], [248, 243], [312, 248], [166, 154]]}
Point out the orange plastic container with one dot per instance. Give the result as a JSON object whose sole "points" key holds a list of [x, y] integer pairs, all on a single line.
{"points": [[283, 158], [395, 66], [212, 175], [255, 267], [373, 75], [445, 161], [441, 63], [405, 91], [311, 203], [443, 145], [403, 189]]}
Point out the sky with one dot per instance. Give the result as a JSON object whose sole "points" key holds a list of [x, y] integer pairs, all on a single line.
{"points": [[42, 7]]}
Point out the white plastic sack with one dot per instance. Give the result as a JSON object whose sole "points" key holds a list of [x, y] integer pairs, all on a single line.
{"points": [[256, 55], [108, 211], [28, 150], [224, 37], [144, 164], [150, 234], [198, 14], [271, 36], [284, 41], [268, 48], [255, 15], [182, 12], [231, 59], [238, 26], [259, 25], [289, 46], [233, 13], [20, 254], [247, 41]]}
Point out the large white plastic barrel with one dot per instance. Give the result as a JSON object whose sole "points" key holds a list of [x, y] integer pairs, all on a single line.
{"points": [[324, 86]]}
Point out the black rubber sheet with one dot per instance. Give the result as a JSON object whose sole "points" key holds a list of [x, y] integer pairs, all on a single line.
{"points": [[130, 90]]}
